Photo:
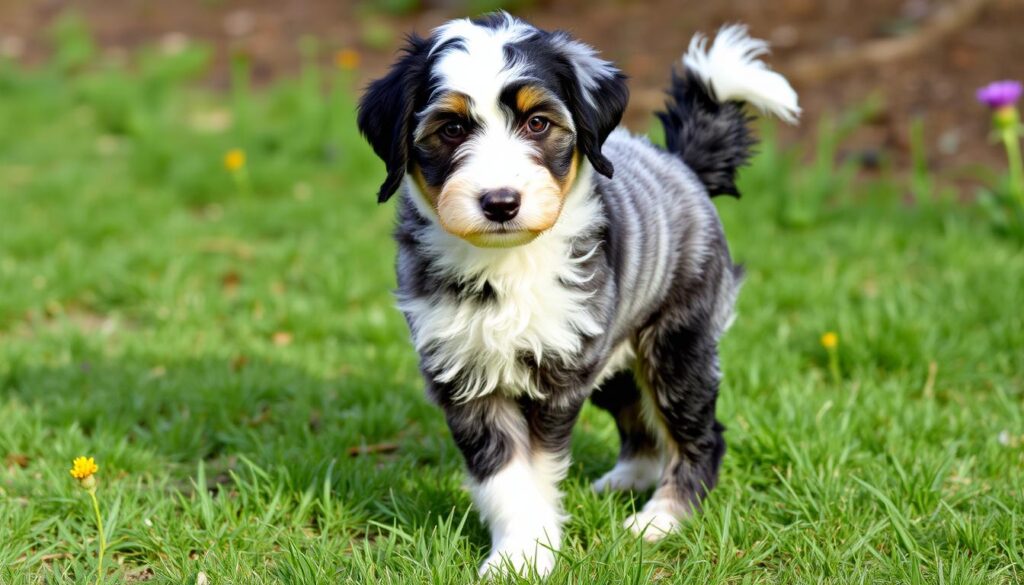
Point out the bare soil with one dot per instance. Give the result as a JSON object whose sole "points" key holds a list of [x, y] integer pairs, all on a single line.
{"points": [[644, 38]]}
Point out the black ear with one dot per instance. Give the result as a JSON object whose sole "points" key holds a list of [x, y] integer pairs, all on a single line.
{"points": [[598, 95], [386, 113]]}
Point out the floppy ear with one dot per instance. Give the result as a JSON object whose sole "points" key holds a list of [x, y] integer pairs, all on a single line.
{"points": [[597, 98], [386, 113]]}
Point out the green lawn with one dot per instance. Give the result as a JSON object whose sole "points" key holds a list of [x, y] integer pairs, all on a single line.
{"points": [[223, 347]]}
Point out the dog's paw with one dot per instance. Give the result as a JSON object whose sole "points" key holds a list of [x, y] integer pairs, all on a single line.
{"points": [[522, 559], [651, 526], [658, 518], [639, 473]]}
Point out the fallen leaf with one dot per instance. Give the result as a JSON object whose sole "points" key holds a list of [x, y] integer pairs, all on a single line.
{"points": [[16, 460], [238, 362], [371, 449], [230, 280]]}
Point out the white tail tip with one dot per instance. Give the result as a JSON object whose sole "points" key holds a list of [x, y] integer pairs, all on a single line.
{"points": [[732, 71]]}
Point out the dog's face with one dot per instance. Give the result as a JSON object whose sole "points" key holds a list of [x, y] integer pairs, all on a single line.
{"points": [[491, 119]]}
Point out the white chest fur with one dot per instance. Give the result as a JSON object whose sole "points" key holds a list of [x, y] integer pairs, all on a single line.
{"points": [[480, 344]]}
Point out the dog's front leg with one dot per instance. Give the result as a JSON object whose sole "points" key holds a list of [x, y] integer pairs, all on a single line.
{"points": [[514, 481]]}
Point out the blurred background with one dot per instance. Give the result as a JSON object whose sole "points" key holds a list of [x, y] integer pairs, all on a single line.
{"points": [[917, 58]]}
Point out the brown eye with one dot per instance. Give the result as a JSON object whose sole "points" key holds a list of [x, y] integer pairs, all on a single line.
{"points": [[453, 130], [537, 124]]}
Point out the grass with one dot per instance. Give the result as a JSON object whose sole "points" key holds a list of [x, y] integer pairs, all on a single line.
{"points": [[222, 350]]}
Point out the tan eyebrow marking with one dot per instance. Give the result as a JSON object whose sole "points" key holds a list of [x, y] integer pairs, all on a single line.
{"points": [[448, 104], [530, 96], [453, 102]]}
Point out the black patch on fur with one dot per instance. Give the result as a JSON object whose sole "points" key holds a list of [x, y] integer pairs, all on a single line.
{"points": [[480, 430], [595, 122], [620, 396], [387, 109], [679, 363], [386, 112], [550, 422], [713, 139], [594, 119], [436, 157], [492, 20], [556, 147]]}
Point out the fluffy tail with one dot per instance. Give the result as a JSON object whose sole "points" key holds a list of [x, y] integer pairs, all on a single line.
{"points": [[704, 121]]}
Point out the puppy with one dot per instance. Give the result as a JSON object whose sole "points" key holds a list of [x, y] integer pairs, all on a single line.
{"points": [[546, 257]]}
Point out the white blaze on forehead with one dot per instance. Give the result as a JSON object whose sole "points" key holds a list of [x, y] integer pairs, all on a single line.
{"points": [[495, 159], [479, 68], [510, 28], [482, 69]]}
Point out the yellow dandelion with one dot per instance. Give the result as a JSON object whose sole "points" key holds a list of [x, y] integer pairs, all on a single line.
{"points": [[83, 468], [830, 340], [234, 160], [347, 59]]}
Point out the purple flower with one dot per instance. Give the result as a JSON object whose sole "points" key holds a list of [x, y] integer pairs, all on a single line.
{"points": [[1000, 94]]}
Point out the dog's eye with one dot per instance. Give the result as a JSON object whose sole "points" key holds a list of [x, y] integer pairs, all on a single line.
{"points": [[453, 130], [537, 124]]}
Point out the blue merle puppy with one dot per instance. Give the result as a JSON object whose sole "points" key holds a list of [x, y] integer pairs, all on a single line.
{"points": [[546, 257]]}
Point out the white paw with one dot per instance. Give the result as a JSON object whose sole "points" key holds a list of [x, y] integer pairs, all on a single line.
{"points": [[652, 526], [637, 474], [523, 560], [658, 519]]}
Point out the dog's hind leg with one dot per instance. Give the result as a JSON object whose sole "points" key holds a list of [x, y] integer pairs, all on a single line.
{"points": [[640, 461], [679, 365]]}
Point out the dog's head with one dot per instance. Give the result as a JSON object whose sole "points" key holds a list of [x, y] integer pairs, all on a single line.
{"points": [[491, 119]]}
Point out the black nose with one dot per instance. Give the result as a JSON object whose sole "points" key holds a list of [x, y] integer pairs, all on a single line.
{"points": [[500, 205]]}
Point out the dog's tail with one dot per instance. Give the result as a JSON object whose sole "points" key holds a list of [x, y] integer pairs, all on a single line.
{"points": [[704, 121]]}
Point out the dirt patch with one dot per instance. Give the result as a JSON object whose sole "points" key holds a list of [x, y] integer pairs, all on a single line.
{"points": [[645, 38]]}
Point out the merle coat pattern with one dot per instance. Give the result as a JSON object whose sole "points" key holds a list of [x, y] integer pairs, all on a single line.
{"points": [[619, 295]]}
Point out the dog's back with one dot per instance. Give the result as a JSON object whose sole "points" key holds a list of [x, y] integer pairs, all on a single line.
{"points": [[664, 233]]}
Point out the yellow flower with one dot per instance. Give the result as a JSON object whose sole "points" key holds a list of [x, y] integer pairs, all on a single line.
{"points": [[83, 468], [830, 340], [347, 59], [234, 159]]}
